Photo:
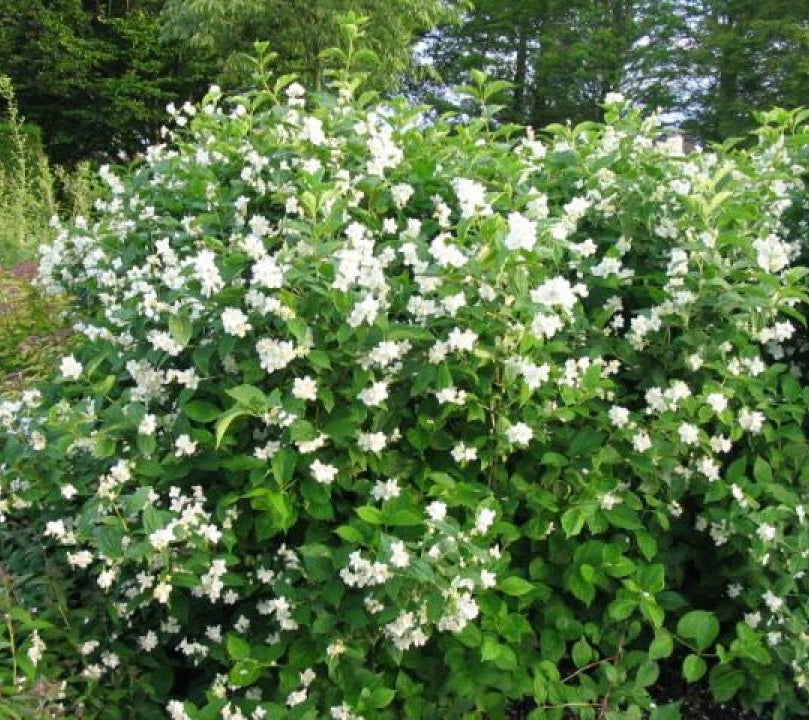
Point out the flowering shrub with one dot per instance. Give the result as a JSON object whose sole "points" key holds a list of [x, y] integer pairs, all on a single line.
{"points": [[381, 417]]}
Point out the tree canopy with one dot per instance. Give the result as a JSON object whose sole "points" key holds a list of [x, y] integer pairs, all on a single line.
{"points": [[96, 75]]}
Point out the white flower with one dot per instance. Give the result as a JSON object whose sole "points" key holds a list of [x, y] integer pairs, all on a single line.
{"points": [[717, 401], [522, 232], [207, 273], [471, 196], [484, 520], [184, 445], [147, 425], [709, 468], [37, 648], [372, 442], [462, 453], [401, 194], [304, 388], [720, 444], [275, 354], [88, 647], [641, 441], [619, 416], [385, 490], [689, 434], [105, 579], [148, 642], [235, 322], [556, 292], [751, 420], [462, 340], [487, 579], [519, 434], [162, 592], [295, 90], [437, 511], [323, 473], [766, 532], [70, 368], [267, 273], [399, 556], [297, 697], [614, 98], [375, 395], [546, 325], [81, 559], [772, 601]]}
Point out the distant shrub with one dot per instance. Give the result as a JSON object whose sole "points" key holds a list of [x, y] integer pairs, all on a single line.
{"points": [[30, 195], [31, 137], [381, 417]]}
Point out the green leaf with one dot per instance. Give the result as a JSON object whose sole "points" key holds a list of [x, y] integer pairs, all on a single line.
{"points": [[581, 653], [624, 517], [553, 459], [350, 534], [245, 672], [652, 578], [180, 330], [647, 674], [573, 521], [622, 607], [586, 441], [501, 655], [238, 648], [669, 711], [652, 611], [700, 627], [279, 506], [582, 589], [662, 646], [647, 544], [319, 359], [762, 471], [283, 466], [381, 697], [725, 682], [250, 397], [370, 514], [225, 421], [515, 586], [402, 517], [201, 411], [694, 668]]}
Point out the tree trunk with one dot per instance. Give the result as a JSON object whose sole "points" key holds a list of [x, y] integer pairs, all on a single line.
{"points": [[520, 72]]}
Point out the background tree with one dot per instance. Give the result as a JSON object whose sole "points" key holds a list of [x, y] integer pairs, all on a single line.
{"points": [[299, 30], [93, 74], [705, 62], [747, 54]]}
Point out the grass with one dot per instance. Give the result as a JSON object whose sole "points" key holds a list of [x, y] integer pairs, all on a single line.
{"points": [[31, 191], [32, 335]]}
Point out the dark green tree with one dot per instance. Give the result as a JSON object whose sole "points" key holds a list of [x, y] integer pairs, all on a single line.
{"points": [[707, 63], [93, 74], [747, 54]]}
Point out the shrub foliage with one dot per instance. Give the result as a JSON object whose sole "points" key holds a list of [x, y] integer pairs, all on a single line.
{"points": [[383, 416]]}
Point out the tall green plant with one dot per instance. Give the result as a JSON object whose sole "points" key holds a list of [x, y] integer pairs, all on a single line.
{"points": [[26, 189]]}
